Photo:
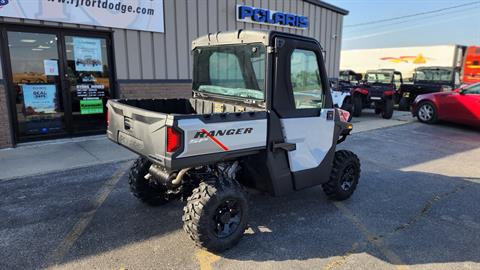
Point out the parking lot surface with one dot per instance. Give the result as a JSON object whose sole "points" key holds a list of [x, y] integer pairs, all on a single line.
{"points": [[416, 207]]}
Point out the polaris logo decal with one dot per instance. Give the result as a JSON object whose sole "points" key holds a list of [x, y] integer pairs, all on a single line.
{"points": [[271, 17]]}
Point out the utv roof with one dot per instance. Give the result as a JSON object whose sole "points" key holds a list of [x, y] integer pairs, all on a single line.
{"points": [[238, 37], [348, 72], [434, 67], [384, 70]]}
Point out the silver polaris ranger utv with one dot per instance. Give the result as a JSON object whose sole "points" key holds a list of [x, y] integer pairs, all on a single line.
{"points": [[261, 116]]}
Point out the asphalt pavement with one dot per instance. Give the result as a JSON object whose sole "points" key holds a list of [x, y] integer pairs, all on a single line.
{"points": [[416, 207]]}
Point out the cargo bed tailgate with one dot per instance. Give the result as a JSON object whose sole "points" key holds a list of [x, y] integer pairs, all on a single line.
{"points": [[140, 130]]}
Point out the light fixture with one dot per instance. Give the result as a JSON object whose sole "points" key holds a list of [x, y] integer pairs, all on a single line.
{"points": [[37, 49], [28, 40], [43, 47]]}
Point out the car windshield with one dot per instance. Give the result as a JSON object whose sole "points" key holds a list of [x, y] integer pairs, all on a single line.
{"points": [[435, 75], [231, 70], [379, 77]]}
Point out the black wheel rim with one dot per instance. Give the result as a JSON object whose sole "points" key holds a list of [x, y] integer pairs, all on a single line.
{"points": [[227, 218], [348, 177]]}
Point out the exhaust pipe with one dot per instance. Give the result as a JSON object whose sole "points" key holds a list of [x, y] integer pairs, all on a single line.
{"points": [[171, 179]]}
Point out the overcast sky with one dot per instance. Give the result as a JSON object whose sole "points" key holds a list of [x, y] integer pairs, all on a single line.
{"points": [[455, 26]]}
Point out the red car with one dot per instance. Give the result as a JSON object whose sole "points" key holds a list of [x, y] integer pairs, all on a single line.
{"points": [[460, 106]]}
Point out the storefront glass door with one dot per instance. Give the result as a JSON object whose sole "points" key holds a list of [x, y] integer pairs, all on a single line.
{"points": [[88, 75], [59, 82], [36, 82]]}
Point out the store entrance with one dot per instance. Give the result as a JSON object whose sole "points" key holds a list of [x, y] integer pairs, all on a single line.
{"points": [[59, 82]]}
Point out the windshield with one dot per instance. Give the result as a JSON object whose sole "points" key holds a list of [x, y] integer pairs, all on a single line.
{"points": [[440, 75], [380, 77], [230, 70], [345, 77]]}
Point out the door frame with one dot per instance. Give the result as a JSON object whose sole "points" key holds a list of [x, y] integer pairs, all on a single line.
{"points": [[61, 32]]}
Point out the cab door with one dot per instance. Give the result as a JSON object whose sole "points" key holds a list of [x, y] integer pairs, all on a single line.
{"points": [[302, 100]]}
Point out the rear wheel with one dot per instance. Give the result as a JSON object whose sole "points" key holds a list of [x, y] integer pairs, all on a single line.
{"points": [[141, 187], [387, 111], [344, 176], [357, 105], [426, 112], [215, 216]]}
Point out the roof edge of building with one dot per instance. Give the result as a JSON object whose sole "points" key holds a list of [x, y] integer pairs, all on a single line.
{"points": [[328, 6]]}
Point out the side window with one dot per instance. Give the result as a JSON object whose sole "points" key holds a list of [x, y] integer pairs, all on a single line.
{"points": [[396, 80], [225, 70], [305, 78]]}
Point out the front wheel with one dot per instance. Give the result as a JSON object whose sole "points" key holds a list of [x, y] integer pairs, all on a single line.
{"points": [[387, 111], [215, 216], [344, 176], [426, 112], [357, 105], [348, 106]]}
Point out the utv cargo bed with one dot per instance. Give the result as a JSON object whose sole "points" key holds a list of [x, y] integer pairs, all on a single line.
{"points": [[168, 131]]}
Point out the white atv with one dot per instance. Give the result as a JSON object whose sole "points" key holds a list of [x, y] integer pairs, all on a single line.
{"points": [[341, 97]]}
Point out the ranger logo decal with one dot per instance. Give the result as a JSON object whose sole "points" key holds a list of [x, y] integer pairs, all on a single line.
{"points": [[222, 132]]}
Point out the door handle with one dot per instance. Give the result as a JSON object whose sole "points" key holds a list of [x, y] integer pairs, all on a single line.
{"points": [[285, 146]]}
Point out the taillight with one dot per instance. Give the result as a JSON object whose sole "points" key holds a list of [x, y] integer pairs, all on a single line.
{"points": [[173, 139], [344, 115]]}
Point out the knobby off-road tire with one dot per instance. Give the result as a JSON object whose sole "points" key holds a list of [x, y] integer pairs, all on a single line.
{"points": [[357, 105], [348, 106], [141, 188], [215, 216], [387, 111], [344, 176]]}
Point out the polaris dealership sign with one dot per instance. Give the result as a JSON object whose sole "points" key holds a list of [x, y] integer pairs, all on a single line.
{"points": [[146, 15], [270, 17]]}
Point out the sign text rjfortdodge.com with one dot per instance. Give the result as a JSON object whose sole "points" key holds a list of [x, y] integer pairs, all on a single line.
{"points": [[146, 15], [271, 17]]}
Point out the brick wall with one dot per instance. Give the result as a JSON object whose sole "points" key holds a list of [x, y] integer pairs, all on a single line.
{"points": [[5, 131], [154, 90]]}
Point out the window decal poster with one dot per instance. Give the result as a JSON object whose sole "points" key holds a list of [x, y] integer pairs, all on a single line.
{"points": [[50, 66], [88, 54], [39, 98]]}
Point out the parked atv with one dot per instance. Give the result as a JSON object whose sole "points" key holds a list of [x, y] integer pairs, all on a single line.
{"points": [[274, 131], [378, 88], [428, 80], [342, 89]]}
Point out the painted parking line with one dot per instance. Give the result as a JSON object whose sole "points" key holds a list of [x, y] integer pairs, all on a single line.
{"points": [[59, 254], [206, 259], [372, 238]]}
